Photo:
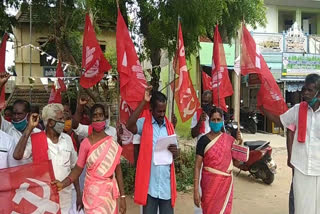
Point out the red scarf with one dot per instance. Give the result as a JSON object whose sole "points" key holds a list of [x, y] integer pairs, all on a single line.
{"points": [[74, 142], [39, 147], [144, 163], [302, 122], [202, 128]]}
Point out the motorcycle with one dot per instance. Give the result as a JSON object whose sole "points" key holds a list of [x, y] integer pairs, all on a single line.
{"points": [[260, 163], [249, 120]]}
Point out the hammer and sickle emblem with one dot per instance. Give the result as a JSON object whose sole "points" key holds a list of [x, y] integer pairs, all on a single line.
{"points": [[43, 204]]}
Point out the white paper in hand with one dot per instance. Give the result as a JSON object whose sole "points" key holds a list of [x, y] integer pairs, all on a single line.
{"points": [[161, 155]]}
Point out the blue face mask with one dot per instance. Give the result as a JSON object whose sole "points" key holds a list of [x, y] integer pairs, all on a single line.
{"points": [[216, 127], [21, 125]]}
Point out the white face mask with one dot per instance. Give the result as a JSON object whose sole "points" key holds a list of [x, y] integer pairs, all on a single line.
{"points": [[107, 123]]}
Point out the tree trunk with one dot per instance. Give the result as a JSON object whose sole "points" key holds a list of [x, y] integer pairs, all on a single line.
{"points": [[155, 75]]}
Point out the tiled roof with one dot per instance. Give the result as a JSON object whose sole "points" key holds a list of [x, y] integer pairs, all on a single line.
{"points": [[39, 96]]}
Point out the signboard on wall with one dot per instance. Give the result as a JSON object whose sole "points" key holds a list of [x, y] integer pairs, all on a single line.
{"points": [[253, 80], [269, 43], [49, 71], [300, 64]]}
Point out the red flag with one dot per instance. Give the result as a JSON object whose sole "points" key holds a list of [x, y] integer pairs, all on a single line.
{"points": [[28, 189], [59, 73], [206, 81], [221, 85], [185, 95], [93, 60], [128, 149], [2, 67], [132, 79], [252, 61], [55, 95]]}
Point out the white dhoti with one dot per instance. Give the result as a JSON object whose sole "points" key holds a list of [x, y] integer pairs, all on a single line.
{"points": [[306, 190], [73, 209]]}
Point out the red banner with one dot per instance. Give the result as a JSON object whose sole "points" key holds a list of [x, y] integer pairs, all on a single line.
{"points": [[221, 85], [28, 189], [185, 95], [55, 95], [93, 60], [206, 81], [132, 79], [252, 61], [2, 67]]}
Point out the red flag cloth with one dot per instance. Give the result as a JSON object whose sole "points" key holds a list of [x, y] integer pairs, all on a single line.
{"points": [[59, 73], [206, 81], [128, 149], [132, 79], [185, 95], [252, 61], [221, 85], [202, 128], [2, 67], [93, 60], [55, 95], [27, 189]]}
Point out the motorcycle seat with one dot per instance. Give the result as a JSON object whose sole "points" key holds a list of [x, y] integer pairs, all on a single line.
{"points": [[255, 144]]}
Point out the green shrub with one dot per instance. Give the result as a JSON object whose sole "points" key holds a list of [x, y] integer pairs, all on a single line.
{"points": [[184, 172]]}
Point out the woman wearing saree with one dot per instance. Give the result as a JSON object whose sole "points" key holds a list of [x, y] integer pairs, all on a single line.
{"points": [[101, 155], [214, 152]]}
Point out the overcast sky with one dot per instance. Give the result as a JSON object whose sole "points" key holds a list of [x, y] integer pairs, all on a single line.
{"points": [[9, 49]]}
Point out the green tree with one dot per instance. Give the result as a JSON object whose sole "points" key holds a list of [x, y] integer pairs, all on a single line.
{"points": [[158, 24], [154, 22]]}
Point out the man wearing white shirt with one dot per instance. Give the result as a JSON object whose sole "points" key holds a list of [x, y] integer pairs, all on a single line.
{"points": [[197, 121], [60, 149], [6, 150], [305, 157], [15, 128]]}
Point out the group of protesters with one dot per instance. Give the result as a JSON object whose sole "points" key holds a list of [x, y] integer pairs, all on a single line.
{"points": [[85, 155]]}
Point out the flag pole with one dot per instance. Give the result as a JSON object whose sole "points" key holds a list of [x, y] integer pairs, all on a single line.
{"points": [[174, 69], [118, 85], [218, 79], [237, 79]]}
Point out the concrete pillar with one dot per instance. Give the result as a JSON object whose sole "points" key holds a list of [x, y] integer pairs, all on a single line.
{"points": [[298, 17], [318, 24]]}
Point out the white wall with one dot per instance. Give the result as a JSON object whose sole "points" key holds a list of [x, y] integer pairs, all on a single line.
{"points": [[272, 21]]}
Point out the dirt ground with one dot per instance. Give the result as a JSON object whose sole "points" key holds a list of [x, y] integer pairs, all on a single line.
{"points": [[250, 196]]}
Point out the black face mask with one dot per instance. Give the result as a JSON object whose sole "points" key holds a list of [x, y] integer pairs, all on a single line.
{"points": [[206, 108]]}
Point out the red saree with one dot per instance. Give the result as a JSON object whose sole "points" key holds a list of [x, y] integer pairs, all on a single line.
{"points": [[217, 180], [100, 188]]}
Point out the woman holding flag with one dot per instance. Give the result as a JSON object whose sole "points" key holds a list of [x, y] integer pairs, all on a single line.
{"points": [[214, 152], [104, 181]]}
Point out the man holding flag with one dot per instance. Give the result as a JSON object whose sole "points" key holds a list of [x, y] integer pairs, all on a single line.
{"points": [[200, 120], [155, 185]]}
